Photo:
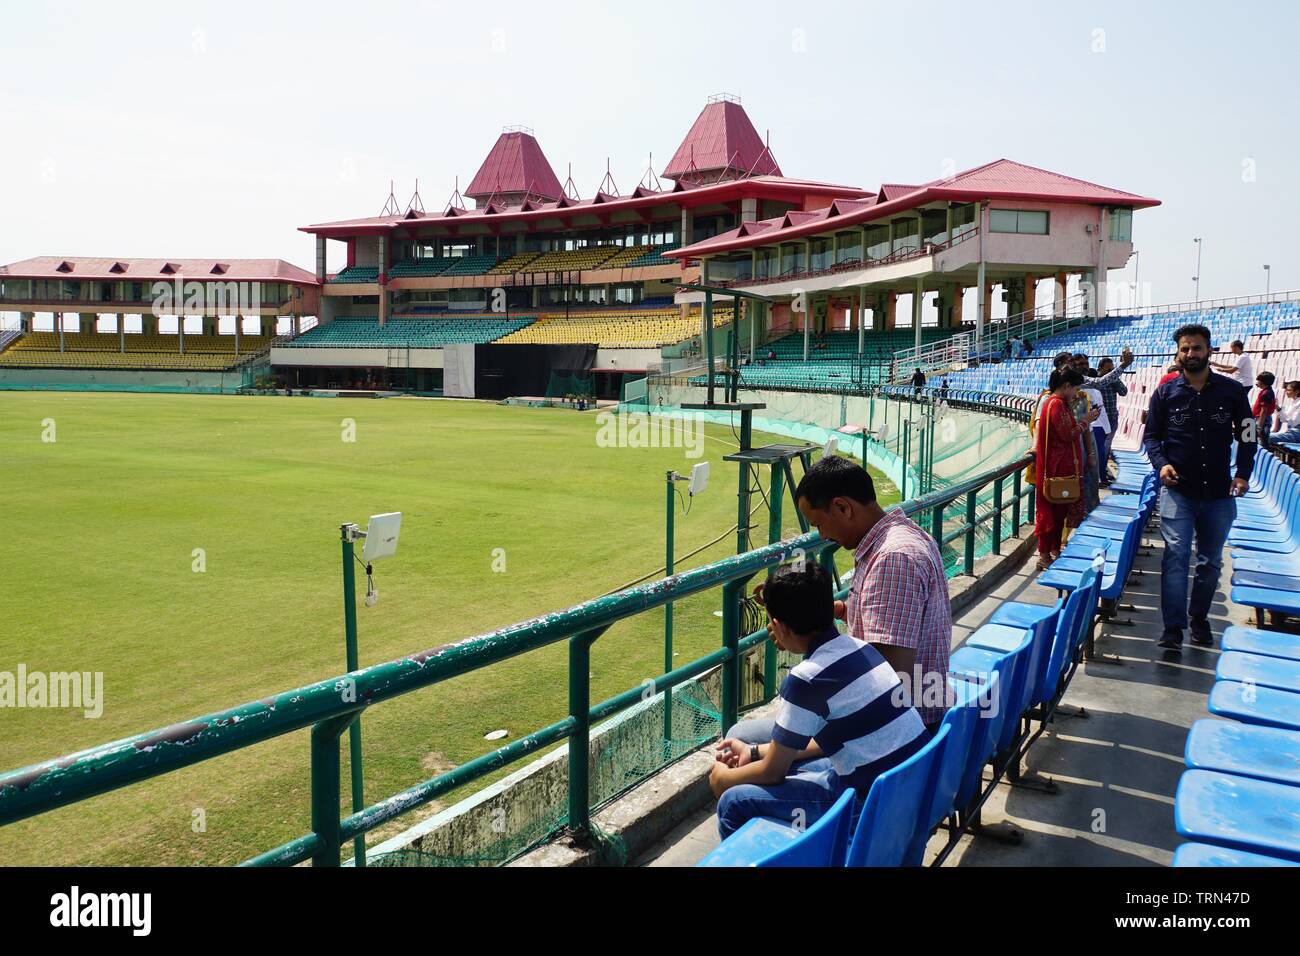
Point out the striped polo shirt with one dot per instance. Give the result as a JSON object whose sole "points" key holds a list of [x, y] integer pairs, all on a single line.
{"points": [[845, 695]]}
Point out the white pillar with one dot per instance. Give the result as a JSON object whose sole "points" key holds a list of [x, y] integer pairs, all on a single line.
{"points": [[862, 318], [918, 298], [980, 317]]}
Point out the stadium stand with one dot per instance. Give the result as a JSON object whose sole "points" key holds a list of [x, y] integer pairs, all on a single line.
{"points": [[615, 328], [366, 332], [1271, 328], [357, 274], [833, 363], [653, 256], [515, 263], [104, 351], [471, 266], [573, 260], [625, 256], [431, 266]]}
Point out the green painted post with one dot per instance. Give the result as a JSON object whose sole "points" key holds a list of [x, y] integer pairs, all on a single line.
{"points": [[1015, 504], [907, 453], [350, 638], [776, 489], [936, 525], [326, 776], [707, 319], [731, 595], [742, 494], [580, 738], [997, 515], [931, 455], [970, 532], [668, 616]]}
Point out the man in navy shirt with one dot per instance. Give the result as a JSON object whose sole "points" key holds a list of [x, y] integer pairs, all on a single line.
{"points": [[843, 717], [1192, 422]]}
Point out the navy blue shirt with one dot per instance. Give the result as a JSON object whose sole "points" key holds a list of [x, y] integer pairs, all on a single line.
{"points": [[1194, 432]]}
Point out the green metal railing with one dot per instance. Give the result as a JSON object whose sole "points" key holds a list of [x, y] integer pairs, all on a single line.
{"points": [[330, 707]]}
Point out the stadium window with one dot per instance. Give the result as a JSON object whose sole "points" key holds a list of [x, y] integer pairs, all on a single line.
{"points": [[1121, 225], [850, 246], [821, 254], [877, 242], [1031, 222]]}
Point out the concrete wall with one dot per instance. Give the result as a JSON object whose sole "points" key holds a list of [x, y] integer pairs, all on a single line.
{"points": [[358, 358], [36, 378]]}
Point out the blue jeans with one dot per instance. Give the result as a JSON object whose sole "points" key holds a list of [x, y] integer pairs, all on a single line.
{"points": [[1290, 435], [1181, 518], [1099, 437], [808, 791], [811, 787]]}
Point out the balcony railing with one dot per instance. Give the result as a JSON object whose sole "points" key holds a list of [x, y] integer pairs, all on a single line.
{"points": [[853, 265]]}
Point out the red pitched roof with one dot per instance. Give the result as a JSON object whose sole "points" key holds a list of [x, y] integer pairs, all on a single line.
{"points": [[515, 164], [159, 270], [1000, 179], [722, 138]]}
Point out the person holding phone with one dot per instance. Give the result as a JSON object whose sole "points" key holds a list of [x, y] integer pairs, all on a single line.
{"points": [[1192, 422]]}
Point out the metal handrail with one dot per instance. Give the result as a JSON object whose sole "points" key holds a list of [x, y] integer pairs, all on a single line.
{"points": [[328, 707]]}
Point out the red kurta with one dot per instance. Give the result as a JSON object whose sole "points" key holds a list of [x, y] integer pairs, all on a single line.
{"points": [[1056, 455]]}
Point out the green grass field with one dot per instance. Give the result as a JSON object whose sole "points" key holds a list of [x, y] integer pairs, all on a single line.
{"points": [[99, 575]]}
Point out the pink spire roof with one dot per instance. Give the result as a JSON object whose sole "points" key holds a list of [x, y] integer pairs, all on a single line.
{"points": [[722, 139], [516, 164]]}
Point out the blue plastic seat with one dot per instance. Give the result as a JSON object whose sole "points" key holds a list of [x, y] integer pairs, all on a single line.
{"points": [[1240, 813], [764, 841], [962, 721], [1251, 640], [1249, 704], [889, 824], [1207, 855], [1266, 753], [1257, 669], [1009, 658]]}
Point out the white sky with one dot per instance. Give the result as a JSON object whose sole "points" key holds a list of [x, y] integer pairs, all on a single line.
{"points": [[217, 129]]}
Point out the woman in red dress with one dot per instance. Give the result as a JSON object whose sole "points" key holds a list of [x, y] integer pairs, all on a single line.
{"points": [[1057, 454]]}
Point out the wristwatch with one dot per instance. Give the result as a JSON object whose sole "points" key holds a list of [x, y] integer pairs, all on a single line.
{"points": [[753, 753]]}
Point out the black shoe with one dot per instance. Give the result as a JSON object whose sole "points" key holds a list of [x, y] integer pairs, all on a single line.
{"points": [[1172, 639], [1202, 636]]}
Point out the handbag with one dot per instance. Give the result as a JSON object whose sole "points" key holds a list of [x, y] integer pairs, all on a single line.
{"points": [[1065, 490]]}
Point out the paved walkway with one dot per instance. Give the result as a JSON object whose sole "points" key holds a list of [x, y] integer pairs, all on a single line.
{"points": [[1115, 770]]}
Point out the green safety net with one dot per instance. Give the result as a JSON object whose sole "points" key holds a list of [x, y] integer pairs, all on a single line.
{"points": [[920, 447], [625, 751], [570, 389]]}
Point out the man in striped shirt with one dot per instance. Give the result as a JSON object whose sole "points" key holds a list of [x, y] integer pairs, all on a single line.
{"points": [[842, 719]]}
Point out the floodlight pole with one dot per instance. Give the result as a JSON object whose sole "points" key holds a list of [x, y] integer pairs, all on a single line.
{"points": [[350, 533]]}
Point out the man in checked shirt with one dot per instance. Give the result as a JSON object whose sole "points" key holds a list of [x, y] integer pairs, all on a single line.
{"points": [[898, 602]]}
